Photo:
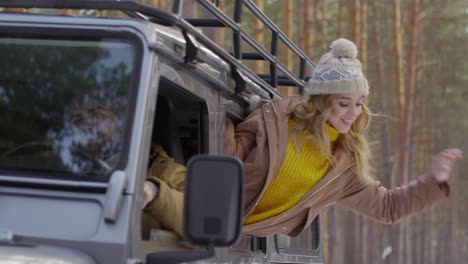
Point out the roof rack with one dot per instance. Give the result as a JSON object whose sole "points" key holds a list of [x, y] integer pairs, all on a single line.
{"points": [[268, 82], [222, 20]]}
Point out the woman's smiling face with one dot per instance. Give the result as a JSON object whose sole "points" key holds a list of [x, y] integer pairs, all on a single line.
{"points": [[345, 108]]}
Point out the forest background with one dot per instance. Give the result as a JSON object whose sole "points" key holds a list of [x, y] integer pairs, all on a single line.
{"points": [[414, 54], [415, 57]]}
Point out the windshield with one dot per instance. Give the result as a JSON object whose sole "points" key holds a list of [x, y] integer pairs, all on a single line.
{"points": [[63, 104]]}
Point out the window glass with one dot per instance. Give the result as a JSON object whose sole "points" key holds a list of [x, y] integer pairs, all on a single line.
{"points": [[63, 103]]}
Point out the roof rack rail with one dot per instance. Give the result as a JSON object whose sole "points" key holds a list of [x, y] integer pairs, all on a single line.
{"points": [[222, 20], [268, 82]]}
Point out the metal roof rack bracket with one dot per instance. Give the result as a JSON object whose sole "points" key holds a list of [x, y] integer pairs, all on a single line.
{"points": [[191, 49]]}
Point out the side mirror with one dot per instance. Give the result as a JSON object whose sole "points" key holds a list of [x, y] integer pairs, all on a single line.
{"points": [[213, 200], [213, 207]]}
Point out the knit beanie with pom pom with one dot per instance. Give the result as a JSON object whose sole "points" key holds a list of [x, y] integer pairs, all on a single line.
{"points": [[338, 71]]}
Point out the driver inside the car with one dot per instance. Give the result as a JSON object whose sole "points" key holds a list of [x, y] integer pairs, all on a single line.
{"points": [[89, 142], [96, 130], [90, 146]]}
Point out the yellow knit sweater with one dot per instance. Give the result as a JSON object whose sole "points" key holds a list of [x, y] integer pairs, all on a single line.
{"points": [[300, 171]]}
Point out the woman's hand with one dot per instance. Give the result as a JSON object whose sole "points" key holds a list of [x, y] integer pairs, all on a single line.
{"points": [[443, 162]]}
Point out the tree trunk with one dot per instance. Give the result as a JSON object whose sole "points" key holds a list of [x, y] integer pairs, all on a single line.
{"points": [[188, 9], [325, 236], [333, 233], [324, 24], [353, 21], [222, 31], [365, 241], [159, 4], [309, 37], [419, 168], [400, 96], [285, 54], [340, 31], [408, 108], [398, 48], [432, 237], [384, 105], [338, 249], [301, 22], [454, 241], [363, 46], [409, 111], [357, 236], [258, 34]]}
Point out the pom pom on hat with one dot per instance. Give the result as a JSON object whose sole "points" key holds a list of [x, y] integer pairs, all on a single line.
{"points": [[344, 48], [338, 71]]}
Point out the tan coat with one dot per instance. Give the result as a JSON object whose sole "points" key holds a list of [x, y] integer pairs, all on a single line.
{"points": [[166, 210], [260, 141]]}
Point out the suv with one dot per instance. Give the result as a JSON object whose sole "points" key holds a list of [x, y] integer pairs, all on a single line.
{"points": [[160, 80]]}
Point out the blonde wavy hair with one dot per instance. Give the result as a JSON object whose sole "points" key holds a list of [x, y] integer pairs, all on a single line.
{"points": [[311, 116]]}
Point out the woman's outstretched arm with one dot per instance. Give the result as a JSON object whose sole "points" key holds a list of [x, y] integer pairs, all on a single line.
{"points": [[391, 205]]}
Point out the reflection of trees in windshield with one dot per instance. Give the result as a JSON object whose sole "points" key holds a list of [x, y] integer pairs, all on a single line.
{"points": [[41, 81]]}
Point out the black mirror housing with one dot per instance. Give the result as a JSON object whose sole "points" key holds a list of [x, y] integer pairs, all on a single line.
{"points": [[213, 204]]}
